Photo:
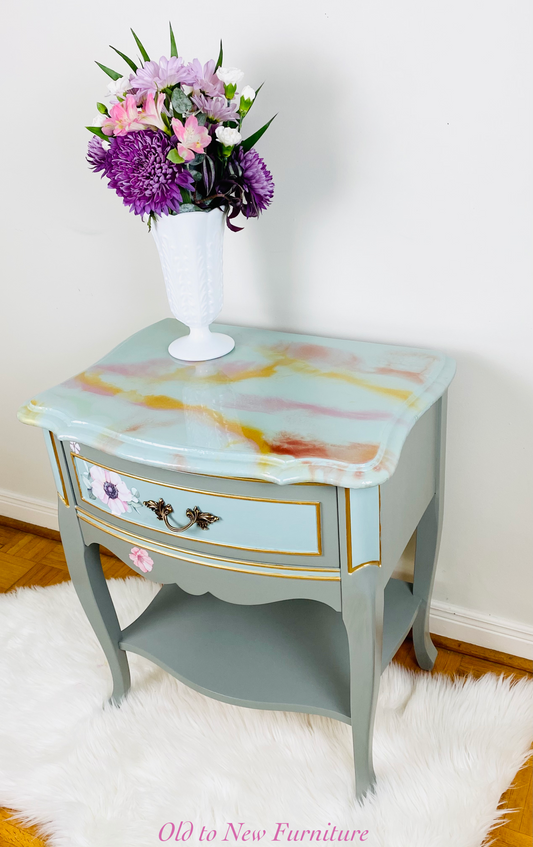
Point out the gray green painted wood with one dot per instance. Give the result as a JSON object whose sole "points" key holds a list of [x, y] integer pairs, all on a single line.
{"points": [[291, 655], [269, 610]]}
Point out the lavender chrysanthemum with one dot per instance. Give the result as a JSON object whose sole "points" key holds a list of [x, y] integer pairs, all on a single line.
{"points": [[97, 155], [216, 108], [140, 173], [256, 182], [155, 76]]}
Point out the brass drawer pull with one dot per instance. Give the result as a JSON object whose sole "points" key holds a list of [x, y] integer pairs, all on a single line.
{"points": [[163, 510]]}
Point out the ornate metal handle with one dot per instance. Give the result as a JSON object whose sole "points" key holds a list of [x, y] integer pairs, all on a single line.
{"points": [[163, 510]]}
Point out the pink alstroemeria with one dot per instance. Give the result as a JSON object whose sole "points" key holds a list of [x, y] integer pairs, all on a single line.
{"points": [[151, 113], [141, 559], [123, 118], [192, 138]]}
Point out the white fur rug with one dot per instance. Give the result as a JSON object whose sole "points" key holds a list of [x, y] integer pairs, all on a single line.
{"points": [[109, 777]]}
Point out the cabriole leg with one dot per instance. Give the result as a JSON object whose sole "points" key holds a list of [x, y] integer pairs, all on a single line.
{"points": [[427, 549], [362, 612], [91, 587], [425, 560]]}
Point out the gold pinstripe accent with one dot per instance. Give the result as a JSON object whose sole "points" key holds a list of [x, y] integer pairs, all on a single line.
{"points": [[83, 514], [127, 538], [63, 497], [351, 568], [314, 503]]}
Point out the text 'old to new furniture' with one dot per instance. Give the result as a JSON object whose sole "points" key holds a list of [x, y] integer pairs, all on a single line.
{"points": [[272, 493]]}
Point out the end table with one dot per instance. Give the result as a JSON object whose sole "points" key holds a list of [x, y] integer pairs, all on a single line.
{"points": [[271, 492]]}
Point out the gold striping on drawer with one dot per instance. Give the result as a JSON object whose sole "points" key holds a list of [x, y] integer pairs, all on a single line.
{"points": [[111, 528], [64, 498], [351, 568], [174, 553], [314, 503]]}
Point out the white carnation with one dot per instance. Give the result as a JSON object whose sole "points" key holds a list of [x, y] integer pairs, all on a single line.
{"points": [[248, 93], [230, 76], [227, 136], [117, 87], [98, 119]]}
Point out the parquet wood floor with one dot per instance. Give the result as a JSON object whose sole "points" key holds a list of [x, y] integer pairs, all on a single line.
{"points": [[33, 556]]}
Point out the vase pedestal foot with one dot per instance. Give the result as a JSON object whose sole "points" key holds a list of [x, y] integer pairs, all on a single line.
{"points": [[201, 345]]}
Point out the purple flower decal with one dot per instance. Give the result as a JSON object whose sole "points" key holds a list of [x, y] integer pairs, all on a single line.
{"points": [[155, 76], [108, 487], [141, 559], [140, 173]]}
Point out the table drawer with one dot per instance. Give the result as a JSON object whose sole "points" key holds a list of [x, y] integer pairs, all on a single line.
{"points": [[246, 519]]}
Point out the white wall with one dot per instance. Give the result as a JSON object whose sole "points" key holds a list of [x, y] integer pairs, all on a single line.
{"points": [[401, 155]]}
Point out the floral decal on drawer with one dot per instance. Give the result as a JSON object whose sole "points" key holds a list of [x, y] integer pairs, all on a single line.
{"points": [[141, 559], [111, 490]]}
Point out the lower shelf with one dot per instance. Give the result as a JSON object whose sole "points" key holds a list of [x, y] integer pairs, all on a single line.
{"points": [[290, 655]]}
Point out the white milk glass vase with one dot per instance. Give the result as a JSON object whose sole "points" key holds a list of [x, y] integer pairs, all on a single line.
{"points": [[191, 247]]}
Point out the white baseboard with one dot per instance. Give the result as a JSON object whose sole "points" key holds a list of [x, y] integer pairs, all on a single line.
{"points": [[484, 630], [38, 512], [450, 621]]}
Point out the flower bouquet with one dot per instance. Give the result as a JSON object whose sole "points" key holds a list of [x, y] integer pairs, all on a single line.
{"points": [[170, 144]]}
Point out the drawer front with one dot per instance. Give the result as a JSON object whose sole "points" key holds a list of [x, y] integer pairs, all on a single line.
{"points": [[255, 520]]}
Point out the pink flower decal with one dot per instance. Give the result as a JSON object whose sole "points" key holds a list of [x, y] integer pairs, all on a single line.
{"points": [[141, 559], [192, 138], [123, 118], [151, 114], [109, 488]]}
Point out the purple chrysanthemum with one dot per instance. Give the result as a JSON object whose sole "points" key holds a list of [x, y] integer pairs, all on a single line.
{"points": [[140, 173], [97, 155], [256, 182]]}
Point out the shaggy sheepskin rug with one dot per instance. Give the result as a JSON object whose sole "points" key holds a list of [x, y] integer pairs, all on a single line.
{"points": [[171, 765]]}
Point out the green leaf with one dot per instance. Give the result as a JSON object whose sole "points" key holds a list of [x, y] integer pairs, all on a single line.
{"points": [[109, 72], [249, 142], [97, 131], [102, 109], [180, 102], [220, 58], [173, 48], [144, 54], [174, 156], [185, 195], [130, 62]]}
